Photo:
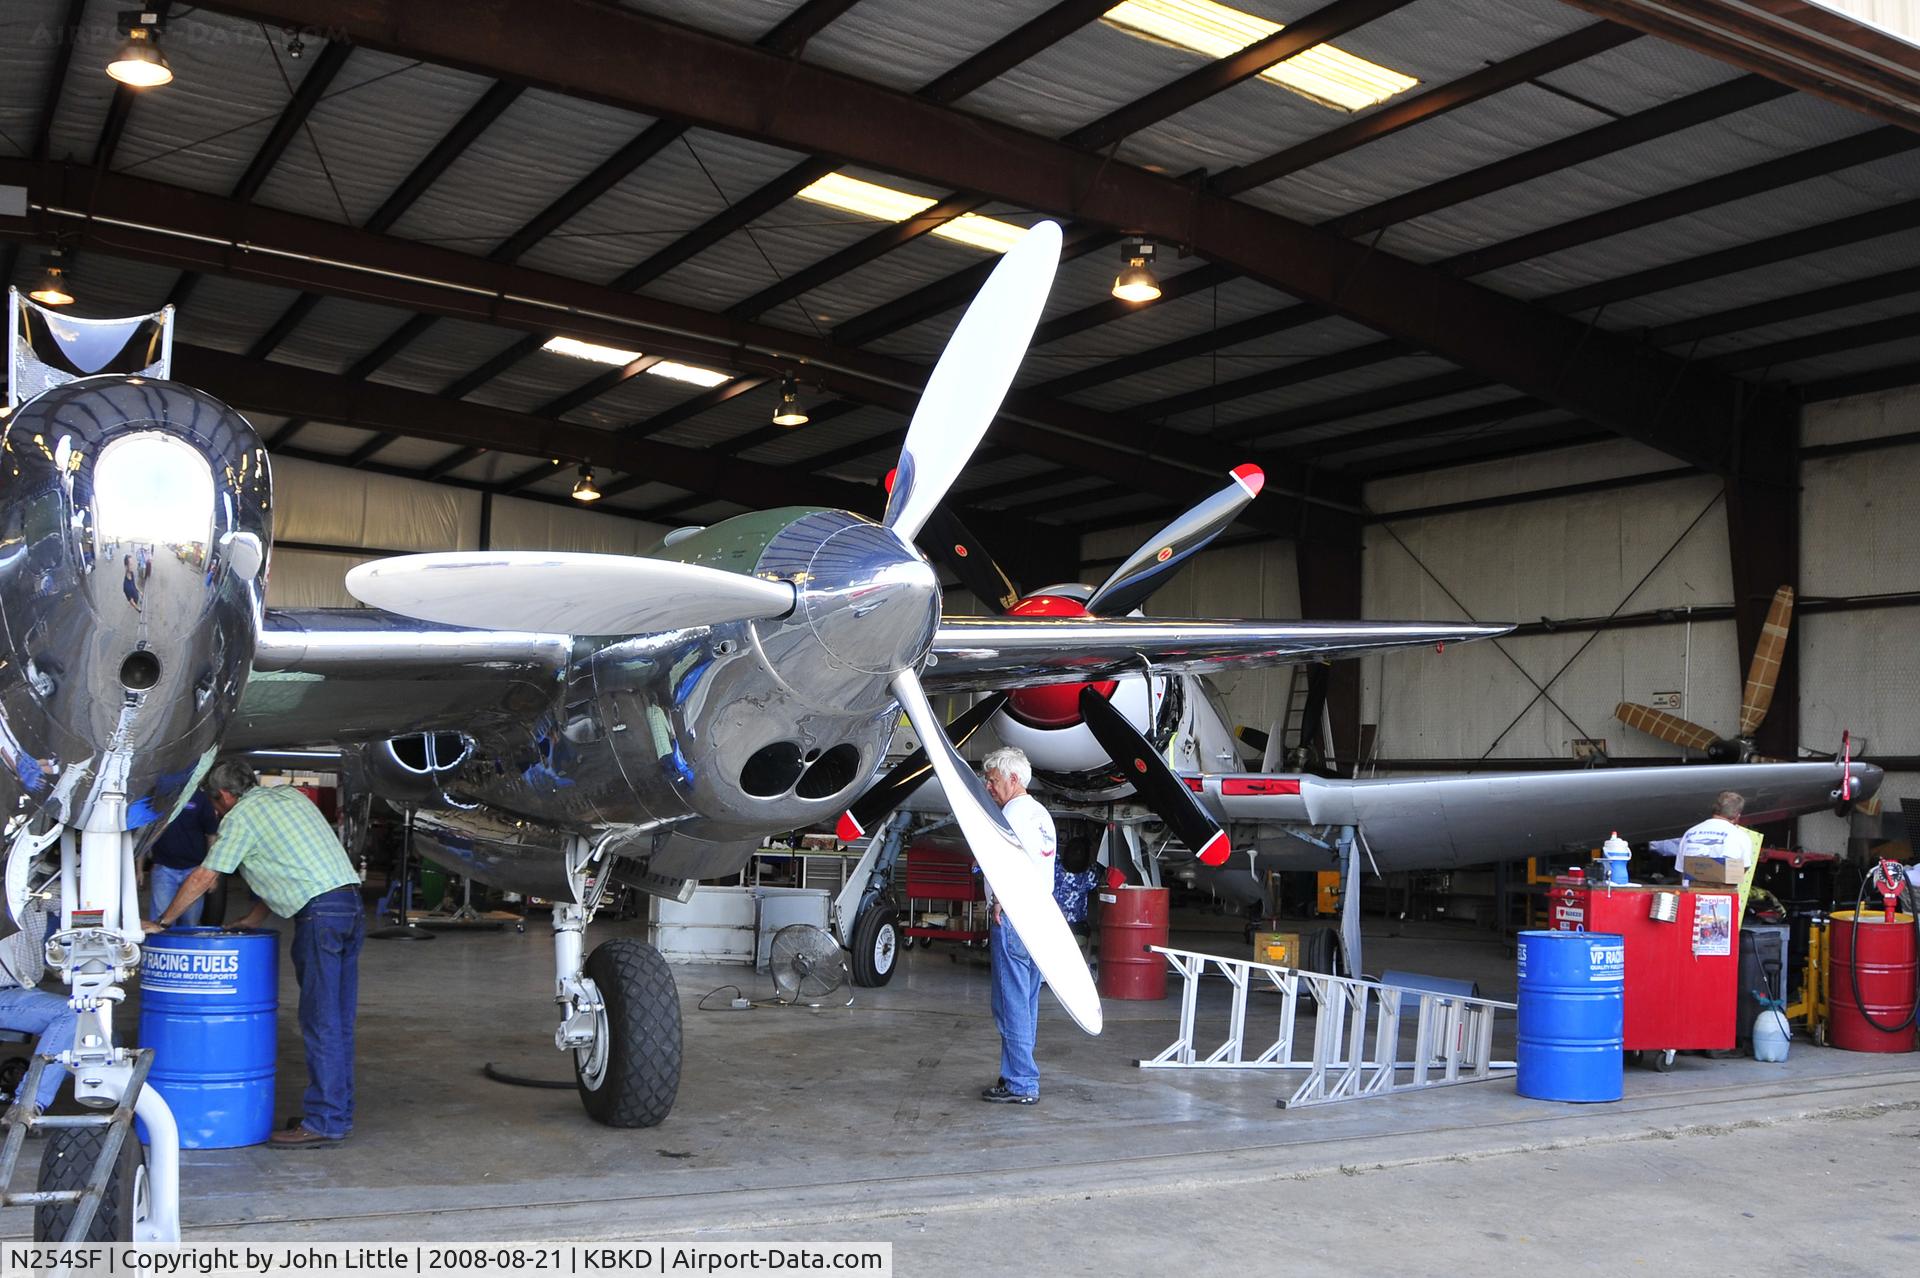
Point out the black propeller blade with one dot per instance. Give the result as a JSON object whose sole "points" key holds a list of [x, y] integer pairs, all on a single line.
{"points": [[956, 546], [890, 791], [1153, 780]]}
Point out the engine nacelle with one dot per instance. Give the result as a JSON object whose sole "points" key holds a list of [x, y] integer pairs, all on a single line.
{"points": [[135, 523]]}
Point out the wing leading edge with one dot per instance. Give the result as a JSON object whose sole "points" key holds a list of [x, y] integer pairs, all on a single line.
{"points": [[976, 654]]}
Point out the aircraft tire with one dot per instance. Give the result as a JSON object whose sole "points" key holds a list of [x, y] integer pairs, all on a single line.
{"points": [[876, 947], [636, 1084], [68, 1163]]}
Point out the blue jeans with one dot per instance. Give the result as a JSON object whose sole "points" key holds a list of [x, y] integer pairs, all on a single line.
{"points": [[1016, 1010], [45, 1014], [164, 883], [327, 933]]}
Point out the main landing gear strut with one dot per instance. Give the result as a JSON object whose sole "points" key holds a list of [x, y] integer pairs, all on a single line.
{"points": [[619, 1010]]}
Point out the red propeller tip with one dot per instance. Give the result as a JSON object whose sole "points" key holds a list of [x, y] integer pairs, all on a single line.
{"points": [[1217, 850], [1115, 879], [849, 830], [1249, 477], [888, 481]]}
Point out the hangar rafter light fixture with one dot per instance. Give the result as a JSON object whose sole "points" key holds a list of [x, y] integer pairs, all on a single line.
{"points": [[52, 289], [584, 489], [1136, 282], [788, 412], [140, 64]]}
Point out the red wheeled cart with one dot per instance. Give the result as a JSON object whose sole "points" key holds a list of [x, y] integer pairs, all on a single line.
{"points": [[1681, 974], [941, 883]]}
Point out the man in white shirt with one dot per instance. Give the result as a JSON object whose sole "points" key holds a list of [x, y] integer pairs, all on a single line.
{"points": [[25, 1007], [1722, 837], [1016, 981]]}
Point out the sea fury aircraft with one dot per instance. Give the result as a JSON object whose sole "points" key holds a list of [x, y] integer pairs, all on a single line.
{"points": [[1149, 761], [569, 721]]}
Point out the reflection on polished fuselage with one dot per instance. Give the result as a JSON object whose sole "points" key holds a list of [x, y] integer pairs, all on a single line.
{"points": [[684, 748], [135, 519]]}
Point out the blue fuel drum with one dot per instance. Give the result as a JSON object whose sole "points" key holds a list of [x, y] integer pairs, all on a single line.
{"points": [[209, 999], [1572, 1015]]}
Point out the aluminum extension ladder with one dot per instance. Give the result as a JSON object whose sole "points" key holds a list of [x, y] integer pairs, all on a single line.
{"points": [[1357, 1032], [119, 1125]]}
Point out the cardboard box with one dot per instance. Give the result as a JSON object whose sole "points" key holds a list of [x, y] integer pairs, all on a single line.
{"points": [[1282, 949], [1712, 870]]}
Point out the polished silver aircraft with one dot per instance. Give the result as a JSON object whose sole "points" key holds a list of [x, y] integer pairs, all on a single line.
{"points": [[562, 722]]}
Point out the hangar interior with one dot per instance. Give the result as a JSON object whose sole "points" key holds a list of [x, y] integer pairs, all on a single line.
{"points": [[1596, 317]]}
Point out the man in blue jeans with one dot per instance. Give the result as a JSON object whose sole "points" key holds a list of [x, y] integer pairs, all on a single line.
{"points": [[1016, 980], [181, 847], [29, 1009], [283, 845]]}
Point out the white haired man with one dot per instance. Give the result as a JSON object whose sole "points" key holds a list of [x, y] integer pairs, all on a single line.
{"points": [[1016, 981]]}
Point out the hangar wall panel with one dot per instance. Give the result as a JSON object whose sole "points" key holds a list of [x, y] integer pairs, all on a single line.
{"points": [[534, 525], [1859, 537], [1579, 556], [343, 509]]}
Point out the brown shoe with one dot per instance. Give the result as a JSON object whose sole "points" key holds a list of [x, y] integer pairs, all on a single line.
{"points": [[301, 1138]]}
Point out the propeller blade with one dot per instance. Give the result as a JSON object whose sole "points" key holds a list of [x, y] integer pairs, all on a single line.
{"points": [[1153, 780], [890, 791], [1024, 890], [567, 593], [1765, 670], [1670, 728], [1149, 567], [956, 546], [972, 377]]}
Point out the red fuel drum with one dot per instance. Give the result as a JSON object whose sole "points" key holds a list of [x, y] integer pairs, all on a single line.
{"points": [[1131, 919], [1886, 969]]}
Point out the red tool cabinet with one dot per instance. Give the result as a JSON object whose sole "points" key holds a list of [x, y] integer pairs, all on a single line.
{"points": [[943, 877], [1681, 976]]}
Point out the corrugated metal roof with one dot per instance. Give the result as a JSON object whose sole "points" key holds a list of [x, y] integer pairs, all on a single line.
{"points": [[1721, 146], [381, 116], [737, 19], [1437, 44], [409, 106], [28, 29], [1803, 204], [538, 148], [665, 198]]}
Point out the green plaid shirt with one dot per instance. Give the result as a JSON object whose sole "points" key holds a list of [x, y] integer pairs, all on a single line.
{"points": [[284, 846]]}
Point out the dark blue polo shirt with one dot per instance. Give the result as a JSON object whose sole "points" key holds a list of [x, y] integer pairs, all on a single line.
{"points": [[183, 845]]}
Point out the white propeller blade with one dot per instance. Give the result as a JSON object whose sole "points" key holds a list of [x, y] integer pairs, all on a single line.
{"points": [[566, 593], [972, 378], [1023, 890]]}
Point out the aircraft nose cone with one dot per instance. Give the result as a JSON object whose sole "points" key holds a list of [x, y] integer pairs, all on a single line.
{"points": [[871, 603]]}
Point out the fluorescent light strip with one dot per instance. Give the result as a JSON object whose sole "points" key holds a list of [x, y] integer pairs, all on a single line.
{"points": [[870, 199], [1323, 73], [577, 349], [689, 373]]}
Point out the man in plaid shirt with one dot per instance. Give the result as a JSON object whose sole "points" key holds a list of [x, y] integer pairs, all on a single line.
{"points": [[280, 842]]}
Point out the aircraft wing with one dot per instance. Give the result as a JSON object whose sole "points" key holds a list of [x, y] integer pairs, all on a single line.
{"points": [[1433, 822], [976, 654], [327, 677]]}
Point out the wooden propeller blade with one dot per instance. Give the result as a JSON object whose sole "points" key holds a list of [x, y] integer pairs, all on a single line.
{"points": [[1765, 670], [1670, 728]]}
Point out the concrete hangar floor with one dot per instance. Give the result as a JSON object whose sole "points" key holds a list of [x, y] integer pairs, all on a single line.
{"points": [[863, 1124]]}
